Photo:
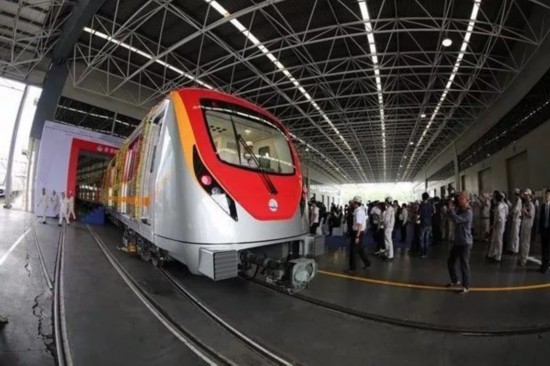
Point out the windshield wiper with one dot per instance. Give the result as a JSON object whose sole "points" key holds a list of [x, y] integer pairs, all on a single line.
{"points": [[267, 180]]}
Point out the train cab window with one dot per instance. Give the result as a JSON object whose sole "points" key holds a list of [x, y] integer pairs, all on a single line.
{"points": [[248, 140]]}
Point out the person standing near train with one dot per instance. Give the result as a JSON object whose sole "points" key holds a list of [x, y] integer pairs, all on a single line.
{"points": [[71, 207], [63, 209], [43, 204], [527, 219], [500, 213], [388, 220], [462, 218], [313, 218], [358, 231]]}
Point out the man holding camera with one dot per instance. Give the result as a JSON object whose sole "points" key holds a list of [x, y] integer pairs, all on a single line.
{"points": [[462, 218]]}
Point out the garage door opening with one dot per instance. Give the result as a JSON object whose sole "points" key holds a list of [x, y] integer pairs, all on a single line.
{"points": [[90, 170]]}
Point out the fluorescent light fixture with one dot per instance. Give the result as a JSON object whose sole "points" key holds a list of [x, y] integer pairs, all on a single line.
{"points": [[447, 42], [460, 57], [220, 9], [146, 55], [375, 63]]}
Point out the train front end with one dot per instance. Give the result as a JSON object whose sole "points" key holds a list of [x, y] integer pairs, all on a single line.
{"points": [[244, 199]]}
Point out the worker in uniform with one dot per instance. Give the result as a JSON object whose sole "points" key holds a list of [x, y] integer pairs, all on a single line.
{"points": [[495, 250], [527, 219], [63, 209], [43, 202], [507, 222], [485, 217], [313, 218], [356, 238], [515, 222], [54, 200], [71, 207], [388, 219]]}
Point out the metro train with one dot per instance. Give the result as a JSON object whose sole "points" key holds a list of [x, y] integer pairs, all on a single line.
{"points": [[212, 181]]}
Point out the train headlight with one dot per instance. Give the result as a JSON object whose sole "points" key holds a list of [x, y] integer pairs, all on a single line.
{"points": [[212, 187], [206, 180]]}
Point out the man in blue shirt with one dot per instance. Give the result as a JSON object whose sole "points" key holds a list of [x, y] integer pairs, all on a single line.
{"points": [[462, 217]]}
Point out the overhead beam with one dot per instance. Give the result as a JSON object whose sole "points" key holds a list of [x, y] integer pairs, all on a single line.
{"points": [[82, 13]]}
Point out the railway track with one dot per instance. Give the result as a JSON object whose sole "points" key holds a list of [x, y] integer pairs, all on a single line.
{"points": [[209, 355], [63, 349], [467, 331]]}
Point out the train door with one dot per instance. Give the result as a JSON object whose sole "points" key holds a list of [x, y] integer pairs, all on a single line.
{"points": [[157, 121]]}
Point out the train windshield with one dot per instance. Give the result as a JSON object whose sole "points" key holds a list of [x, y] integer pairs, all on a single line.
{"points": [[247, 139]]}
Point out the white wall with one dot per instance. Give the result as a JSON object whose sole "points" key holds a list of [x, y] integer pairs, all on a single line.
{"points": [[54, 157], [534, 70], [536, 144]]}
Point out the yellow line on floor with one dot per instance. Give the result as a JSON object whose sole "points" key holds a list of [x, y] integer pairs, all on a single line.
{"points": [[433, 287]]}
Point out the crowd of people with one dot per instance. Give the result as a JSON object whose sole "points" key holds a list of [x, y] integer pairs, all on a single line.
{"points": [[509, 226], [60, 206]]}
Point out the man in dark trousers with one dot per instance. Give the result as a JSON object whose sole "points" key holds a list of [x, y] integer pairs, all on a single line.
{"points": [[426, 212], [356, 239], [544, 229], [462, 217]]}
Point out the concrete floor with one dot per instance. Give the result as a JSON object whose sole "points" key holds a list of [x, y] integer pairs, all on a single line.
{"points": [[24, 297], [107, 325], [503, 296]]}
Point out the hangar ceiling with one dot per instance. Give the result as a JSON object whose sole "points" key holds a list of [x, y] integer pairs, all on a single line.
{"points": [[29, 30], [366, 87]]}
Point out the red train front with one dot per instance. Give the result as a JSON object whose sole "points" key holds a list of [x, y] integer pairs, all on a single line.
{"points": [[221, 188]]}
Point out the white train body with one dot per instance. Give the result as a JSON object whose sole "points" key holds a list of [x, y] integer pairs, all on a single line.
{"points": [[186, 186]]}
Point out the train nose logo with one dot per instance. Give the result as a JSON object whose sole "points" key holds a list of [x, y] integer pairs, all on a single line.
{"points": [[273, 205]]}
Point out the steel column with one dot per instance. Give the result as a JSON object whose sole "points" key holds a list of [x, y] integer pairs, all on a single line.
{"points": [[14, 134]]}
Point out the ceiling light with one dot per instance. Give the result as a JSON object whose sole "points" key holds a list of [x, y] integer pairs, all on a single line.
{"points": [[423, 115], [446, 43], [247, 131], [411, 143]]}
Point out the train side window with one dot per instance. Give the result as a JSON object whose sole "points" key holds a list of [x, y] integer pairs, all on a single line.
{"points": [[157, 120]]}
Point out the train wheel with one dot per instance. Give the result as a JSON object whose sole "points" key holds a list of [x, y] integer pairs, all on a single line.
{"points": [[146, 255], [157, 262]]}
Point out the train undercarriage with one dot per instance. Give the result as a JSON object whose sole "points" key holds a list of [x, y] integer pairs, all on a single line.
{"points": [[289, 265]]}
